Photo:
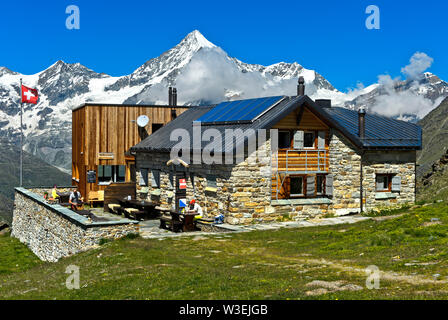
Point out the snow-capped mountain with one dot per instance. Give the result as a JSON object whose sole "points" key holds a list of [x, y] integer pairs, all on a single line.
{"points": [[425, 92], [202, 72]]}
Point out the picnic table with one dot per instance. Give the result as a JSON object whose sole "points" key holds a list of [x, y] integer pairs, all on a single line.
{"points": [[178, 221], [143, 207], [188, 219], [64, 197]]}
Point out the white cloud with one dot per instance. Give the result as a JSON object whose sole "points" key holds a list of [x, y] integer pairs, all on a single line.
{"points": [[212, 77], [419, 63], [400, 98]]}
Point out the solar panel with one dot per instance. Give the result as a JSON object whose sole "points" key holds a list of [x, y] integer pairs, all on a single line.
{"points": [[240, 111]]}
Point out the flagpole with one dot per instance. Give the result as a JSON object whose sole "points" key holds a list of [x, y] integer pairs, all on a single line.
{"points": [[21, 134]]}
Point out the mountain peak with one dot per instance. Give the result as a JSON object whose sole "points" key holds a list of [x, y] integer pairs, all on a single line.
{"points": [[195, 37]]}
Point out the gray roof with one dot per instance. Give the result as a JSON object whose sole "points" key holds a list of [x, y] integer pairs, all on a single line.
{"points": [[381, 132]]}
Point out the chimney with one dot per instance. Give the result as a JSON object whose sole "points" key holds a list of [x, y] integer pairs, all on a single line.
{"points": [[174, 97], [170, 96], [361, 122], [301, 87], [323, 103]]}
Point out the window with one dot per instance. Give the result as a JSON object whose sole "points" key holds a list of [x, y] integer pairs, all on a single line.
{"points": [[120, 173], [156, 126], [108, 174], [320, 184], [296, 186], [104, 174], [284, 140], [383, 182], [307, 186], [308, 140]]}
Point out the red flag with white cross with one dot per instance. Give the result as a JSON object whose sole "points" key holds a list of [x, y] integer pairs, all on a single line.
{"points": [[29, 95]]}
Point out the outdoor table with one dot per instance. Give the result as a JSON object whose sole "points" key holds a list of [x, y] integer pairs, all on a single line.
{"points": [[64, 197], [189, 221], [141, 204], [146, 206]]}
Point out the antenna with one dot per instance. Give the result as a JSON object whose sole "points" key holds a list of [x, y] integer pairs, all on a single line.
{"points": [[142, 121]]}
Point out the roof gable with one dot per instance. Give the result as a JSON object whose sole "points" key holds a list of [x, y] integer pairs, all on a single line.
{"points": [[301, 118]]}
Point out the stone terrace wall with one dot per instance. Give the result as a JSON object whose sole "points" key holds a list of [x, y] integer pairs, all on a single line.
{"points": [[53, 232]]}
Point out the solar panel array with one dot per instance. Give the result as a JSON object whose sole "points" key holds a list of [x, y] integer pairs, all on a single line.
{"points": [[241, 111]]}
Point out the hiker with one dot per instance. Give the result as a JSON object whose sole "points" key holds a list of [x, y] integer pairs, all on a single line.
{"points": [[193, 207], [54, 193], [75, 200]]}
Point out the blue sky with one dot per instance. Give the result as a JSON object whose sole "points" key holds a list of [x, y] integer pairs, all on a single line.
{"points": [[116, 37]]}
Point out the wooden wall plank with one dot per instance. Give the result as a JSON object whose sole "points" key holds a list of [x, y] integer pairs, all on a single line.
{"points": [[108, 128]]}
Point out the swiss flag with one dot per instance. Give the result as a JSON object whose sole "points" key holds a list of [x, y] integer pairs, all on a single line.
{"points": [[29, 95]]}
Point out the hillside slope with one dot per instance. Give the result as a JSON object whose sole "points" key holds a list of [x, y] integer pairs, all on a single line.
{"points": [[36, 172], [433, 185], [326, 262], [435, 137]]}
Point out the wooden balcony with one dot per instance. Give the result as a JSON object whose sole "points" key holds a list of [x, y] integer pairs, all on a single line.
{"points": [[302, 161]]}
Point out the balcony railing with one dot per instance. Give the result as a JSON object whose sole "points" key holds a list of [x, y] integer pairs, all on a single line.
{"points": [[303, 160]]}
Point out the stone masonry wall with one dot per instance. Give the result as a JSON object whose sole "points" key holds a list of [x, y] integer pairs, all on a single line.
{"points": [[345, 165], [52, 235], [243, 191], [396, 163]]}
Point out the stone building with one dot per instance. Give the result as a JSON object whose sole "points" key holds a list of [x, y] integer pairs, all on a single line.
{"points": [[260, 159]]}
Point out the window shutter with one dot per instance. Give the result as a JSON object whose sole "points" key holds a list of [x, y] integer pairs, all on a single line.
{"points": [[143, 177], [379, 183], [310, 185], [155, 178], [171, 181], [321, 140], [329, 185], [298, 139], [396, 183], [211, 182]]}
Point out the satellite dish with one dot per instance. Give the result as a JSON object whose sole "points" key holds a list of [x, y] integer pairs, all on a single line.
{"points": [[142, 120]]}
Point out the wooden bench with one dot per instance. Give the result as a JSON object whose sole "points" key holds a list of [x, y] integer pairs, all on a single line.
{"points": [[160, 211], [96, 196], [133, 213], [114, 208], [172, 222]]}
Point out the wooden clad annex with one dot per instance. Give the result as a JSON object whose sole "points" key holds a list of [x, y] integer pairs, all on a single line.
{"points": [[102, 134], [294, 160]]}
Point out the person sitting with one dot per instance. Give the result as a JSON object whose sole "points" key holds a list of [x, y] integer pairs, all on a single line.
{"points": [[75, 200], [54, 193], [193, 207]]}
